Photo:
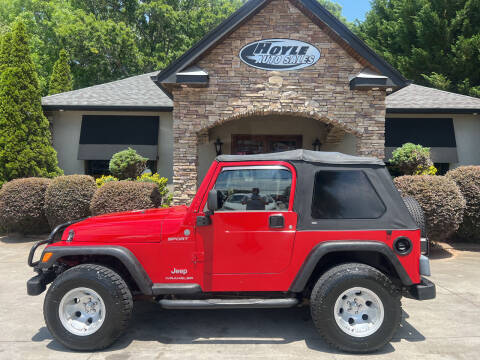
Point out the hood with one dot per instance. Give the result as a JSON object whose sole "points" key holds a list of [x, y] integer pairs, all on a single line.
{"points": [[128, 226]]}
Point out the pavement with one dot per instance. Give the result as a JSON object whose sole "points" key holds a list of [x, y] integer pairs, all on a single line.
{"points": [[445, 328]]}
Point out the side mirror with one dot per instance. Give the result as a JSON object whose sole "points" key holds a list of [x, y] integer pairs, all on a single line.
{"points": [[213, 200]]}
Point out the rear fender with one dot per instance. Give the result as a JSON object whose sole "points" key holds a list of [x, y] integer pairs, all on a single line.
{"points": [[322, 249]]}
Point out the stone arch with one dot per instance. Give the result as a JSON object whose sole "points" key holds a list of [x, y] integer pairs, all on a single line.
{"points": [[301, 112]]}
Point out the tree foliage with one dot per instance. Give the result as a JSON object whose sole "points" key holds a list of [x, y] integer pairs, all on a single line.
{"points": [[113, 39], [433, 42], [61, 79], [25, 148]]}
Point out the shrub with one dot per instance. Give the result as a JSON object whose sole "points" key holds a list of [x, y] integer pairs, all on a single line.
{"points": [[127, 164], [468, 180], [68, 198], [162, 186], [117, 196], [411, 159], [22, 206], [104, 179], [440, 199]]}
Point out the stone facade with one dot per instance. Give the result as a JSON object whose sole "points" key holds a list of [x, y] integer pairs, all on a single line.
{"points": [[236, 90]]}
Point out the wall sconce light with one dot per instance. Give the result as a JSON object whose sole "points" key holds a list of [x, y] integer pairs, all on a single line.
{"points": [[316, 144], [218, 146]]}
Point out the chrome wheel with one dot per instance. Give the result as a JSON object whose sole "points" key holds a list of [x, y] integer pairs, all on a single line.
{"points": [[82, 311], [359, 312]]}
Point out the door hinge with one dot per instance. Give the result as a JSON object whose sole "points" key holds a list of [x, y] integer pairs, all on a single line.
{"points": [[198, 257]]}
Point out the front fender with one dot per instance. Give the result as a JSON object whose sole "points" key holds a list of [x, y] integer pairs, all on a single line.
{"points": [[125, 256]]}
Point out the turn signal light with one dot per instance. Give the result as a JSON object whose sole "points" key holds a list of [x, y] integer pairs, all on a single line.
{"points": [[46, 257]]}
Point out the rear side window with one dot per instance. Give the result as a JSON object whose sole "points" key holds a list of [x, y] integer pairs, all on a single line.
{"points": [[345, 195]]}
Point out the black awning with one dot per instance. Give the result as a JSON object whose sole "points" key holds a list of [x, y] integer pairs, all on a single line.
{"points": [[424, 131], [436, 133], [101, 136]]}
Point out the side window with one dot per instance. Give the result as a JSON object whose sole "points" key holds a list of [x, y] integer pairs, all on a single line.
{"points": [[254, 189], [345, 195]]}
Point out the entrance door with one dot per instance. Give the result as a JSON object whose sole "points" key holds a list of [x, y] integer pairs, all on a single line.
{"points": [[259, 144], [254, 229]]}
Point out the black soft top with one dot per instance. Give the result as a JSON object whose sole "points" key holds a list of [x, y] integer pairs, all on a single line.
{"points": [[308, 163], [321, 157]]}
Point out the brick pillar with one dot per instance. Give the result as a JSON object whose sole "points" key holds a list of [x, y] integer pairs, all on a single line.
{"points": [[185, 165]]}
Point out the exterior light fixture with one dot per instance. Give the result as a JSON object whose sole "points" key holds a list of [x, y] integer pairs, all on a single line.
{"points": [[316, 144], [218, 146]]}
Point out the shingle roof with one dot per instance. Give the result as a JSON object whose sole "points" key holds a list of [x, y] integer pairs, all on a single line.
{"points": [[416, 98], [132, 93]]}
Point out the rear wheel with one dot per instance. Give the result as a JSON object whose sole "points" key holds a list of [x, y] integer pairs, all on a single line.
{"points": [[356, 308], [87, 307]]}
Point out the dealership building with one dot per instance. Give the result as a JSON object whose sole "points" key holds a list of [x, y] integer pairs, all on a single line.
{"points": [[276, 75]]}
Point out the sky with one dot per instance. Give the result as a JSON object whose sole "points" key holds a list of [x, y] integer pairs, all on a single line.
{"points": [[354, 9]]}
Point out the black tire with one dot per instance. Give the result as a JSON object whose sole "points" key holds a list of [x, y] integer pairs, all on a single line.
{"points": [[113, 291], [417, 213], [333, 284]]}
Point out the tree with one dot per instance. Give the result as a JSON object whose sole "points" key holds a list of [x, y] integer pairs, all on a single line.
{"points": [[25, 148], [334, 8], [433, 42], [61, 79], [101, 50], [5, 50], [167, 28]]}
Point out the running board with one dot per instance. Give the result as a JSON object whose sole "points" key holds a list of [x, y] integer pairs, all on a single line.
{"points": [[228, 303]]}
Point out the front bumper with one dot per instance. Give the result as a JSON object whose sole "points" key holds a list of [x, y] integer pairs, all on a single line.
{"points": [[37, 284], [424, 291]]}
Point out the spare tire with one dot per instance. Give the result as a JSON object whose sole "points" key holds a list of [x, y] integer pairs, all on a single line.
{"points": [[416, 211]]}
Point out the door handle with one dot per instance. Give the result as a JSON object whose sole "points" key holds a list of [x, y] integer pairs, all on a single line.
{"points": [[276, 221]]}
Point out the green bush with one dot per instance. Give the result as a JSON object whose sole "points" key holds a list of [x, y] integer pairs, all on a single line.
{"points": [[117, 196], [162, 186], [440, 199], [411, 159], [22, 206], [127, 164], [468, 180], [104, 179], [68, 198]]}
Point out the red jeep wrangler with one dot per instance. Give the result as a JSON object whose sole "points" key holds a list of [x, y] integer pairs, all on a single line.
{"points": [[263, 231]]}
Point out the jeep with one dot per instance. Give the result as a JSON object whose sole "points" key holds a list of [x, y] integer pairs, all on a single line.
{"points": [[307, 228]]}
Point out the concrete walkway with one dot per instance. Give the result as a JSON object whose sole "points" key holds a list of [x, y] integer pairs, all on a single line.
{"points": [[445, 328]]}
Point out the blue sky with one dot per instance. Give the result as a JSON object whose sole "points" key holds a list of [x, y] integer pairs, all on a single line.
{"points": [[354, 9]]}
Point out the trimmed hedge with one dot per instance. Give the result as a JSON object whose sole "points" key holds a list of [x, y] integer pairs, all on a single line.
{"points": [[468, 180], [117, 196], [22, 206], [440, 199], [68, 198]]}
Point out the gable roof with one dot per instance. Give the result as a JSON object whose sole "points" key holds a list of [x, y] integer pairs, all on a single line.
{"points": [[421, 99], [135, 93], [250, 8]]}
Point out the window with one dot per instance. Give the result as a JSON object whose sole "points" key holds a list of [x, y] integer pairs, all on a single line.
{"points": [[345, 195], [254, 188], [259, 144]]}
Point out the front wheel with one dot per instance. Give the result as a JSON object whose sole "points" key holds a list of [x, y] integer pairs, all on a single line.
{"points": [[356, 308], [87, 307]]}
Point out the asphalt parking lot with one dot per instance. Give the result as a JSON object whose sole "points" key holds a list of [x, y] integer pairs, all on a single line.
{"points": [[445, 328]]}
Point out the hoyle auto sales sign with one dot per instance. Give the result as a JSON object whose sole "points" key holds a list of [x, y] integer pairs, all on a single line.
{"points": [[279, 54]]}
